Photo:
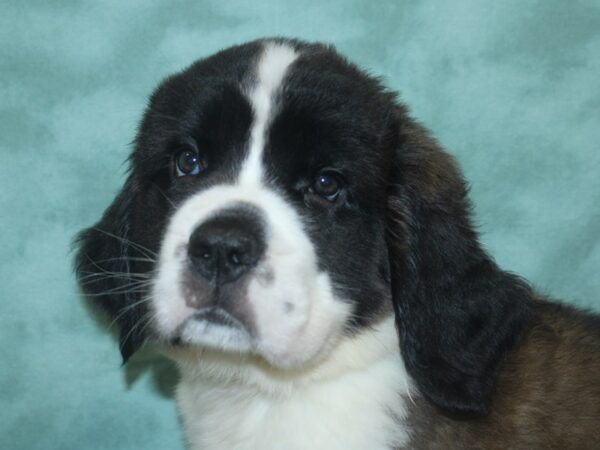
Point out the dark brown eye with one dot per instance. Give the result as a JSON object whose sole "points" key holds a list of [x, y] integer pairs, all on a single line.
{"points": [[187, 162], [327, 185]]}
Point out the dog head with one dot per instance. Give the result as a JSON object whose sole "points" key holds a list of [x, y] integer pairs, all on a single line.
{"points": [[280, 201]]}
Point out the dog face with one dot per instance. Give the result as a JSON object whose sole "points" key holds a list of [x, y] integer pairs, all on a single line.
{"points": [[265, 251], [280, 201]]}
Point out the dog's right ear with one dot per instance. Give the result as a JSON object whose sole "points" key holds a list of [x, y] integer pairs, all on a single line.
{"points": [[104, 267]]}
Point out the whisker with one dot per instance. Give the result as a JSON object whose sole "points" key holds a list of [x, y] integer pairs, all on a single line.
{"points": [[138, 247], [149, 316], [90, 276], [148, 322], [130, 291], [126, 258], [108, 274], [127, 308], [114, 275], [122, 290]]}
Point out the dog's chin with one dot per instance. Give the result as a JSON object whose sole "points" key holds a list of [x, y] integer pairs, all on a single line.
{"points": [[213, 328], [214, 334]]}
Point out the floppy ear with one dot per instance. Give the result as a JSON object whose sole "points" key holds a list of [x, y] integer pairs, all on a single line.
{"points": [[104, 265], [457, 313]]}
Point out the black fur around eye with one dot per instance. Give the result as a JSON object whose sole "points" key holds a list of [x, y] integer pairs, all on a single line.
{"points": [[187, 162], [327, 185]]}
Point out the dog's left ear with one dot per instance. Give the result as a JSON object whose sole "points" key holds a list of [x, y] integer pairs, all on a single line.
{"points": [[457, 313], [104, 266]]}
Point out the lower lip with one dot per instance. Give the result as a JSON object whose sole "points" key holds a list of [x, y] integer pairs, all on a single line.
{"points": [[217, 316]]}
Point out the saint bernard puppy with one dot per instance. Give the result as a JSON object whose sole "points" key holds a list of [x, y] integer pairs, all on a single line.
{"points": [[303, 249]]}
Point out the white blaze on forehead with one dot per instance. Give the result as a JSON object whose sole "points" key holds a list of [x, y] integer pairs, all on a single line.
{"points": [[272, 67]]}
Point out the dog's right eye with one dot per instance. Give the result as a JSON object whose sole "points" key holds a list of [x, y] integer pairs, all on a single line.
{"points": [[187, 162]]}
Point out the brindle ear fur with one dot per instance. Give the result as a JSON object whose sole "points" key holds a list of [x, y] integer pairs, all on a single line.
{"points": [[457, 313], [104, 261]]}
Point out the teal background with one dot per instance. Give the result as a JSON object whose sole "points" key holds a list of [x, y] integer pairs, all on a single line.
{"points": [[512, 88]]}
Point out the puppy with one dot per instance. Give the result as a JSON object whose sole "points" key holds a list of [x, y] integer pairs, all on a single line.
{"points": [[303, 249]]}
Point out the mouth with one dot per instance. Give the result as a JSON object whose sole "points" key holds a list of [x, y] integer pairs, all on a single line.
{"points": [[217, 316], [212, 327]]}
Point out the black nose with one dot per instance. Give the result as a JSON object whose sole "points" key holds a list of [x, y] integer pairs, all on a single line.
{"points": [[225, 247]]}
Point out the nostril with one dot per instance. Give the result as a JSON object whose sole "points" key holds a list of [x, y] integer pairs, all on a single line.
{"points": [[240, 251], [235, 259], [197, 248]]}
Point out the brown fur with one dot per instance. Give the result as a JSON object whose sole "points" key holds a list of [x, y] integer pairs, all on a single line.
{"points": [[547, 397]]}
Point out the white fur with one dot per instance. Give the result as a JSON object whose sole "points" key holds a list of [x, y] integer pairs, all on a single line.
{"points": [[272, 67], [351, 400]]}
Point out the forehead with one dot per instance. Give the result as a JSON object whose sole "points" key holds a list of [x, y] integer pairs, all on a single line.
{"points": [[278, 101]]}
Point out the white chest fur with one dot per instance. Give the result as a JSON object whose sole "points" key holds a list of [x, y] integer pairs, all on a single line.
{"points": [[353, 400]]}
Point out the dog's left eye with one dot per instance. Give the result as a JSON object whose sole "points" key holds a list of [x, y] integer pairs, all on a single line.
{"points": [[327, 185], [187, 162]]}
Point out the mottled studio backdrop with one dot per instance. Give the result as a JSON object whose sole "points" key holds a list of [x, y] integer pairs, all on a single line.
{"points": [[511, 87]]}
